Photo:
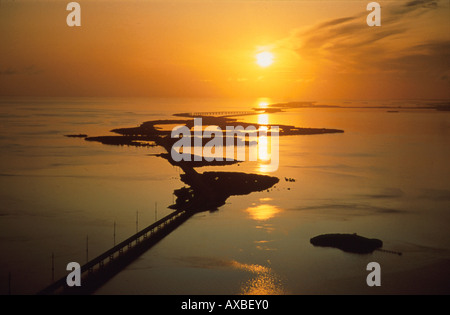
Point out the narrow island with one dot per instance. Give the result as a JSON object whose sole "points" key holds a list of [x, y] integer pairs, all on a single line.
{"points": [[207, 190], [351, 243]]}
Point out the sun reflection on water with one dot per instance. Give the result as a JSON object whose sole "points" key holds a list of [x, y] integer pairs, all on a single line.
{"points": [[263, 284], [263, 212], [263, 119], [265, 281], [263, 141]]}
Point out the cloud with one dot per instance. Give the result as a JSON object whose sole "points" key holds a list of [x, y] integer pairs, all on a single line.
{"points": [[347, 44], [335, 22], [8, 71], [432, 57], [29, 70], [436, 194], [422, 3]]}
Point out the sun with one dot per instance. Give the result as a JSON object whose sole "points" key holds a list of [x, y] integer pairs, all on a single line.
{"points": [[264, 59]]}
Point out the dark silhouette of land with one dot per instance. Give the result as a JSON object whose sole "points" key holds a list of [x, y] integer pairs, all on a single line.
{"points": [[148, 131], [205, 191], [81, 135], [351, 243], [209, 190]]}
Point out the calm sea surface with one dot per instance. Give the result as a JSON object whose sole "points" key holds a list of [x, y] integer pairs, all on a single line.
{"points": [[387, 176]]}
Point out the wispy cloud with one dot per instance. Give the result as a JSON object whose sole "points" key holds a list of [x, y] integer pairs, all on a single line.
{"points": [[347, 44], [436, 194], [29, 70], [421, 3]]}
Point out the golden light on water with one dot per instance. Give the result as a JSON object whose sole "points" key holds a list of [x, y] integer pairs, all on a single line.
{"points": [[263, 141], [266, 282], [267, 158], [263, 284], [263, 154], [250, 267], [263, 212], [263, 119]]}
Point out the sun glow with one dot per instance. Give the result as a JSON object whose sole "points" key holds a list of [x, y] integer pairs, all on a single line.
{"points": [[264, 59], [263, 212]]}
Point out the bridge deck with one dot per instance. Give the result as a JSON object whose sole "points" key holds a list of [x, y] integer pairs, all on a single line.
{"points": [[102, 268]]}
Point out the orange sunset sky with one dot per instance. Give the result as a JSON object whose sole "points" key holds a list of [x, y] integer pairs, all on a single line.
{"points": [[207, 48]]}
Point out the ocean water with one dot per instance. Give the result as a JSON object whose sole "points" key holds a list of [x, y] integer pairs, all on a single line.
{"points": [[387, 176]]}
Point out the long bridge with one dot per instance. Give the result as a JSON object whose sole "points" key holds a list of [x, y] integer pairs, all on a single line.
{"points": [[219, 114], [224, 114], [99, 270], [227, 113]]}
